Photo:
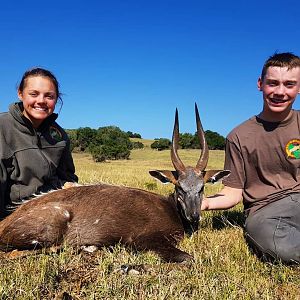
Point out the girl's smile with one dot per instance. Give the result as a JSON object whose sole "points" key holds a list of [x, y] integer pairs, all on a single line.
{"points": [[39, 99]]}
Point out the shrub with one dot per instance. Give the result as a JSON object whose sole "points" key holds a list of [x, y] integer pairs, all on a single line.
{"points": [[85, 136], [110, 142], [137, 145], [161, 144]]}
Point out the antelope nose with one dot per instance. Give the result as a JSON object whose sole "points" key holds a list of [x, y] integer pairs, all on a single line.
{"points": [[195, 217], [195, 222]]}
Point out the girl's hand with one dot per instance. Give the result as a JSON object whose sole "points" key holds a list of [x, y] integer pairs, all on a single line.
{"points": [[69, 184]]}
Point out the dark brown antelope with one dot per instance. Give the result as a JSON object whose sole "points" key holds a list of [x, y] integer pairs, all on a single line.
{"points": [[104, 215]]}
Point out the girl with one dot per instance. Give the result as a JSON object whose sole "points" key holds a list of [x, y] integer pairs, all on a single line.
{"points": [[35, 152]]}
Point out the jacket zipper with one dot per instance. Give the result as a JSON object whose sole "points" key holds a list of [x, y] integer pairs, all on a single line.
{"points": [[39, 144]]}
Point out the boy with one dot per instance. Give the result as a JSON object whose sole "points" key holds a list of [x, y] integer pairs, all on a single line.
{"points": [[263, 154]]}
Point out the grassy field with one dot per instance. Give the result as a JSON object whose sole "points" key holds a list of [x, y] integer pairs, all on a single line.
{"points": [[223, 268]]}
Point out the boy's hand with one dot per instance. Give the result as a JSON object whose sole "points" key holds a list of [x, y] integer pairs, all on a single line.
{"points": [[204, 204]]}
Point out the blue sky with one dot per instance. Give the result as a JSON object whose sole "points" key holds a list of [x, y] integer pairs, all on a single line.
{"points": [[131, 63]]}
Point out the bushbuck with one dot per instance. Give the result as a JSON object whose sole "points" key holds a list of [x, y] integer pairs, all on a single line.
{"points": [[104, 215]]}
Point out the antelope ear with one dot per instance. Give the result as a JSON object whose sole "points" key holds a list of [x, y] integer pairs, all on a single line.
{"points": [[164, 176], [213, 176]]}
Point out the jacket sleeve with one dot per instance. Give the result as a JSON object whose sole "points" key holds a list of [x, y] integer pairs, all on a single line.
{"points": [[3, 185], [66, 168]]}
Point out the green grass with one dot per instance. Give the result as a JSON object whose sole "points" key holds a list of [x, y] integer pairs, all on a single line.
{"points": [[223, 269]]}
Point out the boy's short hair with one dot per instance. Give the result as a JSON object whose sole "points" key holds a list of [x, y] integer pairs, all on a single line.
{"points": [[282, 60]]}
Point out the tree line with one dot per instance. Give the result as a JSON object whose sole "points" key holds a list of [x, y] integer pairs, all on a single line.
{"points": [[111, 143], [214, 140]]}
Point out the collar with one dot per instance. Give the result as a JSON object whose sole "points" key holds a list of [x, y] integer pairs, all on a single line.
{"points": [[16, 110]]}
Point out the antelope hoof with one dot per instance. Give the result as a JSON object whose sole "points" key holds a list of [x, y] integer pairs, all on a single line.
{"points": [[184, 258]]}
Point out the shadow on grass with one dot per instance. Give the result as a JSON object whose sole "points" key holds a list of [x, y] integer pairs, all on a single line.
{"points": [[228, 219]]}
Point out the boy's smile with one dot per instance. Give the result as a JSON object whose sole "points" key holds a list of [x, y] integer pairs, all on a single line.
{"points": [[280, 87]]}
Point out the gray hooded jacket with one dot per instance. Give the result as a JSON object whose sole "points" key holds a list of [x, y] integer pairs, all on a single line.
{"points": [[31, 160]]}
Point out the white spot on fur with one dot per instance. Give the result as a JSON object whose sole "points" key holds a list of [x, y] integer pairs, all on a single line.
{"points": [[35, 242], [57, 207], [67, 214], [89, 249], [96, 222]]}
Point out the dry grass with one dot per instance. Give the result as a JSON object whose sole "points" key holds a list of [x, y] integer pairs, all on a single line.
{"points": [[223, 269]]}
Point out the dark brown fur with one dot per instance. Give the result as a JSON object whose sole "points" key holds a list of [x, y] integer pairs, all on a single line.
{"points": [[103, 215], [100, 215]]}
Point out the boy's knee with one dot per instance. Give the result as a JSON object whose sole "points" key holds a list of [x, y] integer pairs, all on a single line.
{"points": [[259, 235], [269, 250], [274, 231], [288, 254], [261, 248]]}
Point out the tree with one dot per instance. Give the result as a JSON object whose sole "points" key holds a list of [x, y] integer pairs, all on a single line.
{"points": [[72, 134], [161, 144], [186, 140], [85, 136], [214, 140], [110, 142], [133, 135]]}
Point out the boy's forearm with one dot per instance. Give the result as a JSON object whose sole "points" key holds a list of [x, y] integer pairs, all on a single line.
{"points": [[225, 199], [218, 202]]}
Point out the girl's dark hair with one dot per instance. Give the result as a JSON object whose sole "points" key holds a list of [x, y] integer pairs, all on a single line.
{"points": [[40, 72]]}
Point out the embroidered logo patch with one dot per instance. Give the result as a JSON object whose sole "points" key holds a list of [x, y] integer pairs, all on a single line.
{"points": [[55, 134], [292, 149]]}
